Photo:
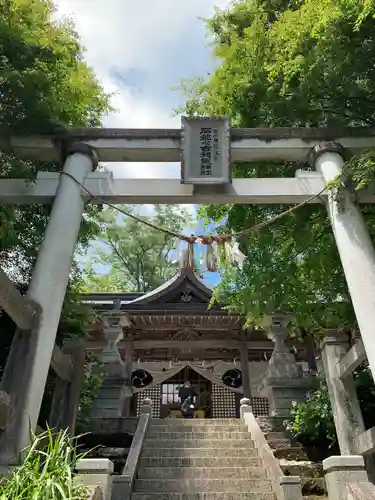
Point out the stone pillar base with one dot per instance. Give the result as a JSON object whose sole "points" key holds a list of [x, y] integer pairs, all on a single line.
{"points": [[341, 471], [96, 472], [283, 392], [109, 402]]}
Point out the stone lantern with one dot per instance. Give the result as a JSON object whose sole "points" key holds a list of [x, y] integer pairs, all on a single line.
{"points": [[284, 381], [114, 390]]}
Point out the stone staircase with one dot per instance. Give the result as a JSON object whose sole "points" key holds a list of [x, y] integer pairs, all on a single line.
{"points": [[293, 459], [200, 460]]}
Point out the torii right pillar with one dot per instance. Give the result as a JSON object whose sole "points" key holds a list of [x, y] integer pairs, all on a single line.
{"points": [[353, 242]]}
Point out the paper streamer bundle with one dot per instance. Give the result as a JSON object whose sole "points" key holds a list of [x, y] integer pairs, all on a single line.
{"points": [[211, 256]]}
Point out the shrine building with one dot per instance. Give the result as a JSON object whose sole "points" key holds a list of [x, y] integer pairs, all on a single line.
{"points": [[151, 343]]}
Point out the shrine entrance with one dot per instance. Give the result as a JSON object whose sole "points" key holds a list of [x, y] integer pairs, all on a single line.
{"points": [[207, 149], [170, 401], [171, 335]]}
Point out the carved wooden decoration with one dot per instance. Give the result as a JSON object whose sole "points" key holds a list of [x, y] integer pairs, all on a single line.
{"points": [[186, 334]]}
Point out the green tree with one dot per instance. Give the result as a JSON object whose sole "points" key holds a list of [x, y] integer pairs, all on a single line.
{"points": [[296, 63], [138, 257], [46, 86]]}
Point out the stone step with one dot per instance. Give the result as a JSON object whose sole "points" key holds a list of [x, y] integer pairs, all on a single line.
{"points": [[196, 443], [204, 434], [280, 444], [271, 424], [249, 495], [275, 435], [231, 485], [301, 468], [199, 461], [180, 423], [197, 428], [313, 485], [197, 421], [293, 453], [199, 452], [201, 473]]}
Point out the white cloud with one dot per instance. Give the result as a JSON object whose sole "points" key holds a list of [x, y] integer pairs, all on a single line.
{"points": [[139, 49], [124, 33]]}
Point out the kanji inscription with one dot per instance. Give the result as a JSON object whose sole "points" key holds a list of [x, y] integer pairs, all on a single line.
{"points": [[205, 151]]}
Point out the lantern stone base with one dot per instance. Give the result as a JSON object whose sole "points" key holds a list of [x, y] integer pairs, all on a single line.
{"points": [[283, 392], [111, 399]]}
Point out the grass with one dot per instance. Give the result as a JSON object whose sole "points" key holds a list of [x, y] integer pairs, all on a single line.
{"points": [[47, 472]]}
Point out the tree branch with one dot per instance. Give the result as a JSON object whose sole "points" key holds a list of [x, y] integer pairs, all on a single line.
{"points": [[121, 257]]}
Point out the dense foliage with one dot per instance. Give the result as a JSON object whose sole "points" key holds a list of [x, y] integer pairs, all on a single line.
{"points": [[47, 471], [138, 258], [312, 422], [295, 63], [46, 86]]}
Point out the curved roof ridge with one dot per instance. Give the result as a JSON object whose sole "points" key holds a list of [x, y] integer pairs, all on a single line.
{"points": [[172, 283]]}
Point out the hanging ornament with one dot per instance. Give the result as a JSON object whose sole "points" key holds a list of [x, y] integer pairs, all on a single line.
{"points": [[183, 254], [216, 250], [187, 253], [237, 256], [228, 253], [211, 259], [190, 256], [200, 251]]}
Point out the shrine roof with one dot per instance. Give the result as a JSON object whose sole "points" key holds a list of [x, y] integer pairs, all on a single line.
{"points": [[183, 288], [174, 283]]}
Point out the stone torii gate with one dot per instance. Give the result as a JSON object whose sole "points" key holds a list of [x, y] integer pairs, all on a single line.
{"points": [[206, 148]]}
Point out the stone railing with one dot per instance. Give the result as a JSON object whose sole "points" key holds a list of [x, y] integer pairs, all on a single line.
{"points": [[285, 487], [124, 483]]}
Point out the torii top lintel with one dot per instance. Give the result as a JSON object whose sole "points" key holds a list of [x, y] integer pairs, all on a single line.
{"points": [[164, 145]]}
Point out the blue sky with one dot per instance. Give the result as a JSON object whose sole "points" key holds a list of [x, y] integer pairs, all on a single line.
{"points": [[139, 51]]}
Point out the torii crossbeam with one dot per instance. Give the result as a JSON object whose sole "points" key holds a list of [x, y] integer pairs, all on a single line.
{"points": [[164, 145], [205, 148]]}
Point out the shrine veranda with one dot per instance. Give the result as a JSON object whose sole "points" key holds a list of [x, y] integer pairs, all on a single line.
{"points": [[207, 149]]}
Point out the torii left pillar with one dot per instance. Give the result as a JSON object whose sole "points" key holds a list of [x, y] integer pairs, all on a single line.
{"points": [[29, 360]]}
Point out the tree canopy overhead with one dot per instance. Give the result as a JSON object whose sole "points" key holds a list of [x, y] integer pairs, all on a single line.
{"points": [[45, 82], [297, 64], [137, 257], [45, 85]]}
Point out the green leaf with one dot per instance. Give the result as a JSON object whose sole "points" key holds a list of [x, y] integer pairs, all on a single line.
{"points": [[290, 63]]}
